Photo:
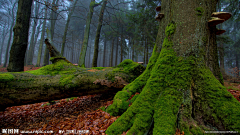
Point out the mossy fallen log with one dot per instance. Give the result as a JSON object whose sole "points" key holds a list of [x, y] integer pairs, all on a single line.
{"points": [[62, 80]]}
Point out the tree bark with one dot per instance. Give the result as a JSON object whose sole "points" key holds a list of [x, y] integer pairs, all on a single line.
{"points": [[177, 90], [96, 44], [66, 27], [20, 39], [41, 40]]}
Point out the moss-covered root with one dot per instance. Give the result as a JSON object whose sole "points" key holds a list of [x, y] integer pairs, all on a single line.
{"points": [[120, 103], [216, 105]]}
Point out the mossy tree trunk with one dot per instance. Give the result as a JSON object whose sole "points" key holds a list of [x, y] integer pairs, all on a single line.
{"points": [[81, 61], [96, 44], [20, 39], [177, 90]]}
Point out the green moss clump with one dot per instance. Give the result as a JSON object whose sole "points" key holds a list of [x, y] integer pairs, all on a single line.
{"points": [[199, 11], [5, 77], [65, 79], [60, 67], [170, 29]]}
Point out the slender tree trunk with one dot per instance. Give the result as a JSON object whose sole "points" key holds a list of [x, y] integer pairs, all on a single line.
{"points": [[32, 45], [116, 57], [121, 45], [147, 51], [132, 49], [20, 40], [237, 66], [104, 51], [8, 44], [4, 34], [66, 27], [111, 58], [100, 20], [41, 40], [144, 57]]}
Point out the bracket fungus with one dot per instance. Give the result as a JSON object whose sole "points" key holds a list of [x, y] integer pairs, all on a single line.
{"points": [[215, 21], [222, 15], [220, 31], [159, 17], [158, 8]]}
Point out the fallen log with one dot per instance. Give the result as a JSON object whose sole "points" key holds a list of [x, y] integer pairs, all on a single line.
{"points": [[62, 80]]}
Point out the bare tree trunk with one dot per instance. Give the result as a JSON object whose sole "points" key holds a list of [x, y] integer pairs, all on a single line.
{"points": [[132, 49], [20, 40], [121, 45], [8, 44], [32, 45], [66, 27], [111, 58], [41, 40], [147, 51], [104, 51], [4, 34], [116, 57]]}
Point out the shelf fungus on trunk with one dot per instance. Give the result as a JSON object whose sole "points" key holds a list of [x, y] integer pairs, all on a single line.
{"points": [[215, 21], [158, 8], [220, 31], [159, 17], [222, 15]]}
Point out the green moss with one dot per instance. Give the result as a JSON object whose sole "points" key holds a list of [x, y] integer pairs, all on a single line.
{"points": [[65, 79], [110, 76], [98, 68], [73, 98], [134, 98], [223, 106], [204, 39], [170, 29], [60, 67], [199, 11], [5, 77]]}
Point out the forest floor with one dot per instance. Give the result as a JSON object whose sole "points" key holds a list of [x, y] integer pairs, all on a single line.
{"points": [[79, 114]]}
